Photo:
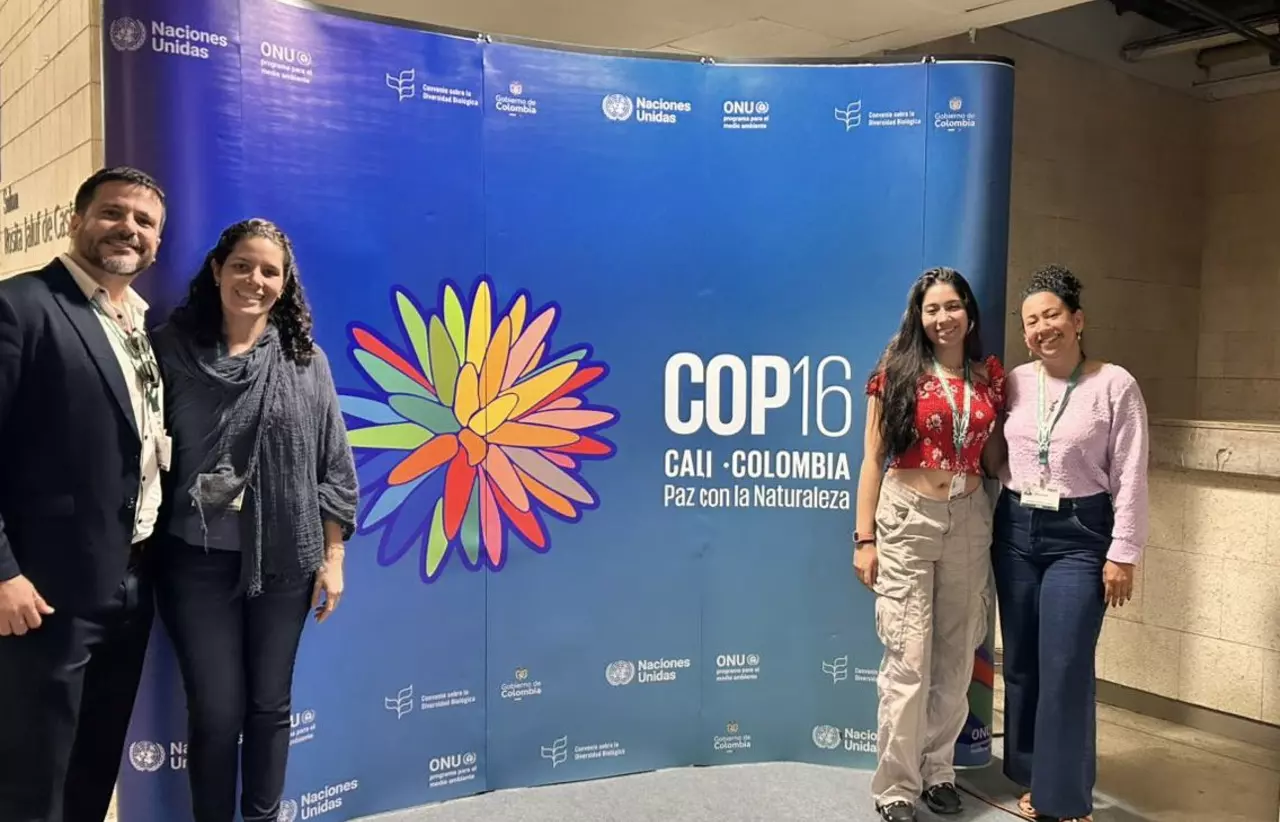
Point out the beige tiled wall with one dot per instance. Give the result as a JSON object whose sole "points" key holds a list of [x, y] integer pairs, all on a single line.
{"points": [[1239, 333], [1204, 626], [50, 119], [1108, 180], [1207, 627]]}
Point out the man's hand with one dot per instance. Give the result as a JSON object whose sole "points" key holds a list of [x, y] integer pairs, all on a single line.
{"points": [[21, 607]]}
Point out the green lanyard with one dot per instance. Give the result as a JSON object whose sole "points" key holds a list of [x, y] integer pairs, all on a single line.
{"points": [[1045, 425], [959, 423]]}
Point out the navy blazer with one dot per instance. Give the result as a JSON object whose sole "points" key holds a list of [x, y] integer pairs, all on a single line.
{"points": [[69, 445]]}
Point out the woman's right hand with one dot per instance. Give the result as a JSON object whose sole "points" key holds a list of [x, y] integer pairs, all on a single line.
{"points": [[866, 563]]}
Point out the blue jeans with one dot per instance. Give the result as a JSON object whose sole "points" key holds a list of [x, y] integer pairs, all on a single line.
{"points": [[1048, 572]]}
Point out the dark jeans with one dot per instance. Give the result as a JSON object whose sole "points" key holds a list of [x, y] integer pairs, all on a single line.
{"points": [[236, 655], [1048, 571], [66, 696]]}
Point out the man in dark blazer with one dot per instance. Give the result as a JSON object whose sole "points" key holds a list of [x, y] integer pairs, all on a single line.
{"points": [[81, 444]]}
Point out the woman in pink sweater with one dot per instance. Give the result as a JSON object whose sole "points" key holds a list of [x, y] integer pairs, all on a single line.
{"points": [[1069, 528]]}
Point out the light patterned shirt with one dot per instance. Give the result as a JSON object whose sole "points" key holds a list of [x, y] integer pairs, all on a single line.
{"points": [[117, 323]]}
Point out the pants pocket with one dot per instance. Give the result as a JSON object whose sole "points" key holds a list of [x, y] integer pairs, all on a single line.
{"points": [[983, 616], [1095, 526], [892, 518], [891, 616]]}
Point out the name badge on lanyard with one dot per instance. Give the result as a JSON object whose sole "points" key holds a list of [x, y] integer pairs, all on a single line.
{"points": [[959, 422], [1045, 496], [164, 451]]}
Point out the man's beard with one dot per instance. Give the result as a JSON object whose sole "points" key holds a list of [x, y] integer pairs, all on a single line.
{"points": [[113, 264]]}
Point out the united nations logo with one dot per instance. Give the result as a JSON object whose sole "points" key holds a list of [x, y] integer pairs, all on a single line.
{"points": [[617, 107], [826, 737], [146, 757], [762, 107], [288, 811], [308, 717], [620, 672], [956, 104], [469, 759], [128, 34], [753, 660], [304, 58]]}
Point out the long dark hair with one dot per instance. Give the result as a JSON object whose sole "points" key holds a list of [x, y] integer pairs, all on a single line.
{"points": [[909, 356], [200, 315]]}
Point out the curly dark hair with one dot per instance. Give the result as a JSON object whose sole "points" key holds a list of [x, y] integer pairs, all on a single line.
{"points": [[200, 315], [910, 354], [1057, 280]]}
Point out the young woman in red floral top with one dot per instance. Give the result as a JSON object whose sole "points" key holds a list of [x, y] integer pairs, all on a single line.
{"points": [[923, 537]]}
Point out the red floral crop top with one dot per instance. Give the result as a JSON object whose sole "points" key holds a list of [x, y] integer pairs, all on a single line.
{"points": [[934, 446]]}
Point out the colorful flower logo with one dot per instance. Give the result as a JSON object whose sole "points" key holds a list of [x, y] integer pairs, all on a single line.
{"points": [[473, 429]]}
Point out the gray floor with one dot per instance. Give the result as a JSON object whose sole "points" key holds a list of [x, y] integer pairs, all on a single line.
{"points": [[1148, 769], [782, 792]]}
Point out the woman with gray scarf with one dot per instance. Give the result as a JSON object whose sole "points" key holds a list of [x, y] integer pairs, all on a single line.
{"points": [[260, 501]]}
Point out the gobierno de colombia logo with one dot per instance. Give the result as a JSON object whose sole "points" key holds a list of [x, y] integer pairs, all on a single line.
{"points": [[129, 34], [472, 430]]}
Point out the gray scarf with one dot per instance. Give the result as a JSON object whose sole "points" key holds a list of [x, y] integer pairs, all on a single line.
{"points": [[264, 422]]}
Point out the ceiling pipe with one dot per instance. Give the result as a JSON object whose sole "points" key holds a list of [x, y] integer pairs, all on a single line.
{"points": [[1271, 44], [1194, 41]]}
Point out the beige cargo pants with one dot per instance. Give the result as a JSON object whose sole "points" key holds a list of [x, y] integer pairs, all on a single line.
{"points": [[932, 601]]}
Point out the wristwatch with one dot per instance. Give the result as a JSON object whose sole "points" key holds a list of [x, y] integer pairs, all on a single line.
{"points": [[863, 539]]}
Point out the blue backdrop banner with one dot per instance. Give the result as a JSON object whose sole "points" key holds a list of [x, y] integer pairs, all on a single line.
{"points": [[601, 324]]}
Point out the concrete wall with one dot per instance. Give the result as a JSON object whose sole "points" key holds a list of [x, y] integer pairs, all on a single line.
{"points": [[1239, 328], [1204, 626], [50, 122], [1108, 179]]}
